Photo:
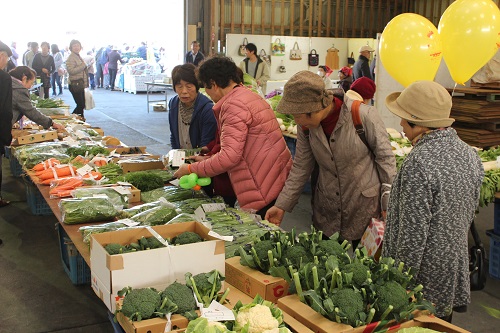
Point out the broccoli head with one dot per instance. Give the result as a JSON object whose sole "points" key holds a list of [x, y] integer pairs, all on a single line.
{"points": [[114, 248], [350, 304], [186, 237], [262, 247], [181, 295], [141, 303], [391, 293], [331, 247], [154, 243], [205, 285], [297, 255], [359, 271]]}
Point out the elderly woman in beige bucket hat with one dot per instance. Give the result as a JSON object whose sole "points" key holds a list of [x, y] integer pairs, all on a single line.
{"points": [[353, 176], [433, 198]]}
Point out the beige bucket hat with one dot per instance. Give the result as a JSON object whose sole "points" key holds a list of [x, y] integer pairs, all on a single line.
{"points": [[423, 103]]}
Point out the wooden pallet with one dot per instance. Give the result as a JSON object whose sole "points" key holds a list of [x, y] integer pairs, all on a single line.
{"points": [[478, 137], [490, 95]]}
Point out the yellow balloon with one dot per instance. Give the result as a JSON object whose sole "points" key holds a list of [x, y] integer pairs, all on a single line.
{"points": [[410, 48], [470, 31]]}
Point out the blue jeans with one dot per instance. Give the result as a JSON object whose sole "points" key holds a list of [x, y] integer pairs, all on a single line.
{"points": [[56, 79], [91, 80]]}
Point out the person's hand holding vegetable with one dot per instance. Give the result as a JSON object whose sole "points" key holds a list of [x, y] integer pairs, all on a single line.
{"points": [[57, 126], [275, 215]]}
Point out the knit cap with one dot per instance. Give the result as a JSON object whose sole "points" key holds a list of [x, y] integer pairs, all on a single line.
{"points": [[365, 87], [304, 93]]}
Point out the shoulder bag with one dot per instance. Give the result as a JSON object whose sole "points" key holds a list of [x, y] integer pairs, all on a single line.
{"points": [[477, 261], [242, 49], [264, 56], [295, 52]]}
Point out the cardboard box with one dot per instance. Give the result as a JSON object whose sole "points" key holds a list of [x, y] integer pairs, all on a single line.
{"points": [[430, 322], [157, 325], [151, 268], [33, 137], [140, 166], [294, 325], [99, 130], [318, 323], [128, 150], [153, 325], [253, 282], [308, 317]]}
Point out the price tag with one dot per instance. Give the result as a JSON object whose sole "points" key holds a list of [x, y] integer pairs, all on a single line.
{"points": [[122, 190], [224, 238], [200, 213], [128, 222], [498, 162], [69, 140], [217, 312], [84, 170], [175, 182], [213, 207]]}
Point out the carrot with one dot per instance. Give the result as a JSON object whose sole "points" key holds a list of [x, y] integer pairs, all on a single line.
{"points": [[57, 172], [93, 175], [46, 164]]}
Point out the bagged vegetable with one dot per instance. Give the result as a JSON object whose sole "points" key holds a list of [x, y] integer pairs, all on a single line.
{"points": [[172, 194], [117, 194], [155, 216], [86, 210]]}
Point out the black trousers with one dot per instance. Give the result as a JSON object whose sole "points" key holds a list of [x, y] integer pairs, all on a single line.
{"points": [[79, 97]]}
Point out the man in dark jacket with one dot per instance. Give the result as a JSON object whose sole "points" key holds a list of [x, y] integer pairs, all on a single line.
{"points": [[361, 66], [5, 109], [194, 56]]}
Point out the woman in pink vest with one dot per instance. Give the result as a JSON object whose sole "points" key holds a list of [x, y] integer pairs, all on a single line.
{"points": [[252, 149]]}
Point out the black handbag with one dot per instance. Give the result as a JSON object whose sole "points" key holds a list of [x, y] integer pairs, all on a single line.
{"points": [[477, 261], [78, 85], [351, 60], [313, 58]]}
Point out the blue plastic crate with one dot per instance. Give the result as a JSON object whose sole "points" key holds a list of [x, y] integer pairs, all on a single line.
{"points": [[15, 167], [496, 217], [36, 202], [73, 263], [116, 326], [494, 261]]}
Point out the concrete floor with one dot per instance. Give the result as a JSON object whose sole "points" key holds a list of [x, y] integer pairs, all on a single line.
{"points": [[38, 296]]}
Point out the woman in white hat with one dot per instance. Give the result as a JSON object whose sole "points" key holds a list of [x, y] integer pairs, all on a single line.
{"points": [[433, 198]]}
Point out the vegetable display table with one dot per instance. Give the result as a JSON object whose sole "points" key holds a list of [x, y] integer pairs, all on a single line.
{"points": [[157, 86]]}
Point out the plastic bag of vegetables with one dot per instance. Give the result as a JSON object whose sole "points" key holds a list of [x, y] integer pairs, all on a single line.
{"points": [[88, 230], [171, 193], [86, 210], [113, 193], [156, 215]]}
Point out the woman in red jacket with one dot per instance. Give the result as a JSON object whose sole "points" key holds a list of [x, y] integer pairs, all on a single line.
{"points": [[252, 149]]}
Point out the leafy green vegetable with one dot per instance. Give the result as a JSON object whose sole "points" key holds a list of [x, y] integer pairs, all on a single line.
{"points": [[114, 196], [144, 181], [87, 210], [155, 216]]}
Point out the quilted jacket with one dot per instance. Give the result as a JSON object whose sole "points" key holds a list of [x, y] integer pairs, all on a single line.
{"points": [[253, 151]]}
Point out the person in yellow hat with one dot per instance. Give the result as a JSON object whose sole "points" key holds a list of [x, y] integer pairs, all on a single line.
{"points": [[433, 198]]}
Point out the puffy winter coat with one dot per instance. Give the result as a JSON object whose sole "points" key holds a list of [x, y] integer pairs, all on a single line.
{"points": [[253, 151]]}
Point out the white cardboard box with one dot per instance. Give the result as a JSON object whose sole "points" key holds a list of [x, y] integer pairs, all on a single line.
{"points": [[157, 267]]}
